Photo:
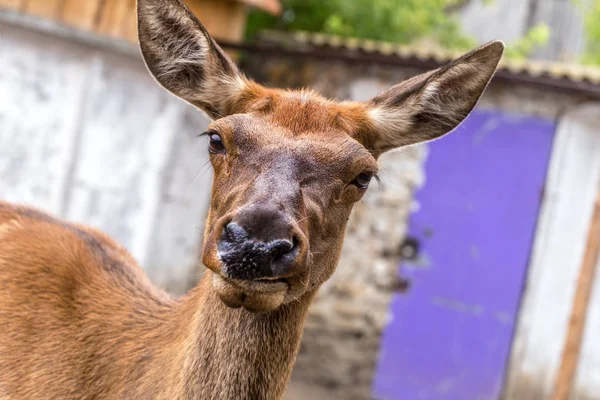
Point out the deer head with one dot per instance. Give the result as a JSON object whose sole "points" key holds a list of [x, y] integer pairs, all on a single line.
{"points": [[290, 165]]}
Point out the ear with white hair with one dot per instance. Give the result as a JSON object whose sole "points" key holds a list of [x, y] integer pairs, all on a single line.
{"points": [[185, 59], [430, 105]]}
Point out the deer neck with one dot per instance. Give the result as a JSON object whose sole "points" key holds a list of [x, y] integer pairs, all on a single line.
{"points": [[234, 354]]}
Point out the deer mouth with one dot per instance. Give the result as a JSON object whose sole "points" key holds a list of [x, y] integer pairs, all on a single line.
{"points": [[265, 285], [255, 296]]}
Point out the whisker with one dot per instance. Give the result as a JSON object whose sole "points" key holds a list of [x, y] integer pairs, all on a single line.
{"points": [[384, 172], [239, 209], [201, 168], [300, 220], [205, 172]]}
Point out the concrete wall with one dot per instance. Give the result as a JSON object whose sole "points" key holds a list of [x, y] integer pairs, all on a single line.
{"points": [[88, 135]]}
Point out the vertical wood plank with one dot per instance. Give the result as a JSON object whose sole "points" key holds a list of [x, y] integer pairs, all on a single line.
{"points": [[112, 16], [587, 380], [572, 349], [558, 254], [13, 4], [130, 23], [81, 13], [43, 8], [565, 20], [225, 20]]}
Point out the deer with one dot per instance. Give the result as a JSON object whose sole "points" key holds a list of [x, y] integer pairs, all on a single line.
{"points": [[80, 319]]}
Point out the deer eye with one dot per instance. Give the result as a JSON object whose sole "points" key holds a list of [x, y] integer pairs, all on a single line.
{"points": [[362, 181], [215, 143]]}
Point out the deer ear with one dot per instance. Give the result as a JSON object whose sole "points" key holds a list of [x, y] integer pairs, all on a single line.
{"points": [[428, 106], [185, 59]]}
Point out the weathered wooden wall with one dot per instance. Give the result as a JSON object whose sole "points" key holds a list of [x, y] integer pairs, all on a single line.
{"points": [[558, 254], [511, 19], [114, 18], [89, 136], [117, 18]]}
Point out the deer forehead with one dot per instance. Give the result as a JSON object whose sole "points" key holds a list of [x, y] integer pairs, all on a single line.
{"points": [[293, 135], [302, 111]]}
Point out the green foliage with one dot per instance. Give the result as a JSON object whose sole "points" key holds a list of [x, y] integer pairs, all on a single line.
{"points": [[398, 21], [536, 37], [386, 20], [592, 31]]}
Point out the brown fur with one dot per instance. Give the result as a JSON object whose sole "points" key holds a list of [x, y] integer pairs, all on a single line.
{"points": [[80, 320]]}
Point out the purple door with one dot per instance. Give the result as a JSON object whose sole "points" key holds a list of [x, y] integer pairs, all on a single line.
{"points": [[450, 334]]}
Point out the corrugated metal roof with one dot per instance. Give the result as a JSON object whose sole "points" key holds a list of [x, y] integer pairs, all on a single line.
{"points": [[429, 53]]}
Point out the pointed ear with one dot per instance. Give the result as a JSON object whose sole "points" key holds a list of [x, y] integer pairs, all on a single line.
{"points": [[428, 106], [184, 58]]}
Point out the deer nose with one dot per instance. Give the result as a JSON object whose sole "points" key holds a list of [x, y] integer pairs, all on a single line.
{"points": [[247, 258]]}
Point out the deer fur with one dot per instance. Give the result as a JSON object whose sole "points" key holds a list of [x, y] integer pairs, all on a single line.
{"points": [[79, 319]]}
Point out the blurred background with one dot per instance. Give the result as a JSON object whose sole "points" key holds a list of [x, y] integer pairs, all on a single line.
{"points": [[469, 273]]}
